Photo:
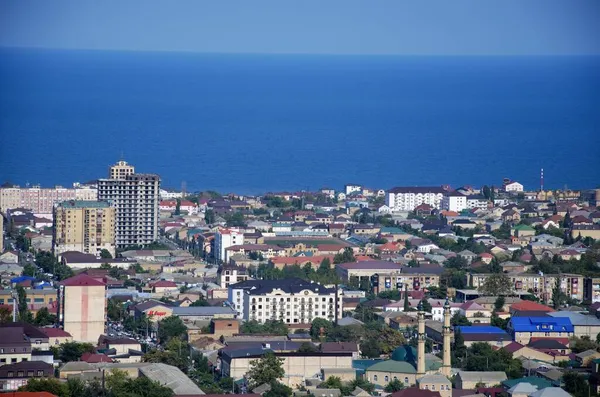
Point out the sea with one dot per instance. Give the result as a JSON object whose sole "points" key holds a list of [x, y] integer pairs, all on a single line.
{"points": [[251, 123]]}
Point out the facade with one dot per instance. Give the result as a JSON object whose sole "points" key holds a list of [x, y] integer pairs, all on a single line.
{"points": [[454, 201], [523, 329], [470, 379], [224, 239], [15, 347], [229, 274], [120, 170], [84, 226], [513, 187], [477, 201], [41, 200], [408, 198], [82, 307], [293, 301], [13, 376], [135, 198], [1, 233]]}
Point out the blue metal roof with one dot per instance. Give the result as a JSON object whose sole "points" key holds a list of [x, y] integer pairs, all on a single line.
{"points": [[541, 324], [476, 329]]}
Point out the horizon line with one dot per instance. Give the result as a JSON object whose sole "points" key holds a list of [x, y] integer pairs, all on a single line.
{"points": [[199, 52]]}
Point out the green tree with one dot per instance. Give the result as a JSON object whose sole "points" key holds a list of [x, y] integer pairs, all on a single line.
{"points": [[43, 317], [171, 327], [582, 344], [458, 319], [499, 303], [200, 302], [29, 270], [425, 305], [209, 217], [50, 385], [72, 351], [5, 315], [344, 257], [406, 302], [496, 284], [333, 382], [278, 390], [267, 369], [307, 347], [115, 310], [558, 296], [177, 207], [576, 384], [320, 326], [394, 385], [105, 254], [24, 314], [370, 348]]}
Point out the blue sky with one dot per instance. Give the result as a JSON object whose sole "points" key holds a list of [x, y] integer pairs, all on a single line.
{"points": [[416, 27]]}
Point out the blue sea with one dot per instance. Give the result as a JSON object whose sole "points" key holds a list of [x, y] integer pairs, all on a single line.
{"points": [[255, 123]]}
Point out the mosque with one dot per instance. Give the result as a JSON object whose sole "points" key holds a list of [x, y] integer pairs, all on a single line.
{"points": [[415, 367]]}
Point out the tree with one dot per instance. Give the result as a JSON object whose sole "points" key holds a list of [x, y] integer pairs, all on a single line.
{"points": [[456, 262], [115, 310], [49, 385], [344, 257], [24, 314], [72, 351], [406, 303], [496, 284], [267, 369], [307, 347], [43, 317], [200, 302], [458, 319], [278, 389], [486, 192], [394, 385], [29, 270], [171, 327], [177, 207], [319, 327], [5, 315], [582, 344], [104, 254], [209, 217], [425, 305], [499, 303], [558, 296], [370, 348], [333, 382]]}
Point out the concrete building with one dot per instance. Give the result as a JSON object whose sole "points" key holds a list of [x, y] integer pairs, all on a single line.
{"points": [[470, 379], [84, 226], [1, 233], [454, 201], [225, 238], [513, 187], [120, 170], [408, 198], [135, 198], [82, 307], [293, 301], [477, 201], [41, 200], [230, 274]]}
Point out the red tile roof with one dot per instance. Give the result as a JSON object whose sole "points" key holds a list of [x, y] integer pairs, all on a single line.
{"points": [[164, 283], [96, 358], [415, 392], [82, 280], [529, 306]]}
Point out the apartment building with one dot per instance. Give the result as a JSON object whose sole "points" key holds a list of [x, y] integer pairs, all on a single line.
{"points": [[84, 226], [82, 307], [454, 201], [591, 289], [293, 301], [477, 201], [135, 198], [41, 200], [408, 198], [1, 233], [225, 238], [541, 285], [231, 274]]}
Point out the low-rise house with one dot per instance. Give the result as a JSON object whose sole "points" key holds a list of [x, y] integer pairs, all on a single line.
{"points": [[436, 382], [523, 329], [585, 358], [13, 376], [475, 313], [56, 336], [473, 379], [495, 336], [583, 325]]}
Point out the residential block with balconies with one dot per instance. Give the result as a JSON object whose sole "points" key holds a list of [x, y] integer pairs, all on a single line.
{"points": [[293, 301]]}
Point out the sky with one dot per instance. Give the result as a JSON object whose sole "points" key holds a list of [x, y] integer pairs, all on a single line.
{"points": [[405, 27]]}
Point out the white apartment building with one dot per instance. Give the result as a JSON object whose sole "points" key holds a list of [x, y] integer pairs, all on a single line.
{"points": [[224, 239], [351, 188], [293, 301], [230, 274], [135, 198], [454, 201], [408, 198], [169, 195], [513, 187], [477, 201], [41, 200]]}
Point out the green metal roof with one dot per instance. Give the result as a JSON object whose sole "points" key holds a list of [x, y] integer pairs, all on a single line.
{"points": [[401, 367], [83, 204], [523, 227], [541, 383]]}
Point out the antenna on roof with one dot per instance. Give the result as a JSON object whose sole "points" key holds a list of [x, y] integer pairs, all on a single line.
{"points": [[542, 180]]}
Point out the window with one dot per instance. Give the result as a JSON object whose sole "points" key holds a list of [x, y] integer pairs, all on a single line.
{"points": [[12, 350], [40, 373], [10, 374], [13, 360], [20, 374], [406, 380], [432, 387], [387, 378], [374, 377], [29, 373]]}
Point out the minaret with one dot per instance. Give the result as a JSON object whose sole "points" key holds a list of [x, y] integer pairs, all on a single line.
{"points": [[421, 341], [446, 333]]}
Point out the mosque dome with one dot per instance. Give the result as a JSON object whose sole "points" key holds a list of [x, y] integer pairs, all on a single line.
{"points": [[405, 353]]}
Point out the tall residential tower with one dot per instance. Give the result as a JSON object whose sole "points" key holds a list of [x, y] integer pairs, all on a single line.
{"points": [[135, 198]]}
